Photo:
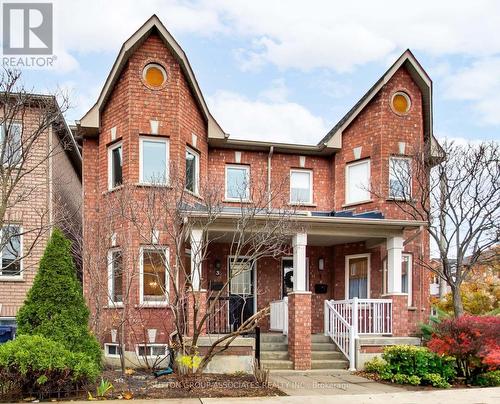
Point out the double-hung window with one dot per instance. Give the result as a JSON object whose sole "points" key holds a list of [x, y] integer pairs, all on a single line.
{"points": [[11, 252], [399, 178], [237, 182], [192, 171], [153, 161], [115, 277], [10, 143], [153, 275], [301, 189], [115, 166], [358, 182]]}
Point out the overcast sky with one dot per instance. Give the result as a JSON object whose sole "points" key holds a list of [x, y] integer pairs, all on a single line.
{"points": [[289, 70]]}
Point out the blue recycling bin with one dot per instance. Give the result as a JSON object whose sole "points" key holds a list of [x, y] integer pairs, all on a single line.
{"points": [[7, 332]]}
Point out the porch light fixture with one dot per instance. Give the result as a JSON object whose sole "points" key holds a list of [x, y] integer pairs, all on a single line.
{"points": [[217, 266], [321, 263]]}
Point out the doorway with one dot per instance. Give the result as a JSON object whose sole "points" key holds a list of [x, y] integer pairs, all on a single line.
{"points": [[241, 291]]}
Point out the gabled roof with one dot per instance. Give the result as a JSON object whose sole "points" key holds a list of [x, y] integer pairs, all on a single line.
{"points": [[334, 137], [91, 121]]}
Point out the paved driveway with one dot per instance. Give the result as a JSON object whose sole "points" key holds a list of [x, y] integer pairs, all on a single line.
{"points": [[327, 383]]}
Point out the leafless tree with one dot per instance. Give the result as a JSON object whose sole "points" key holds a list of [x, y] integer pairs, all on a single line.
{"points": [[27, 122], [455, 189]]}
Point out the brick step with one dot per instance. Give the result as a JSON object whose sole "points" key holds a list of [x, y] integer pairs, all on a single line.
{"points": [[323, 346], [320, 338], [327, 355], [329, 364], [281, 355], [276, 364], [273, 346], [279, 338]]}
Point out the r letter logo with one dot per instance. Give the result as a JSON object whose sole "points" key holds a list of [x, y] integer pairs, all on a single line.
{"points": [[27, 28]]}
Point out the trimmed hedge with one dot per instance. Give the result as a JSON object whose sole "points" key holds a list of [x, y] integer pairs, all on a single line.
{"points": [[33, 364], [55, 307]]}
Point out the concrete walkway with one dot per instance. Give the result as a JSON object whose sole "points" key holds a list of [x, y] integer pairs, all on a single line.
{"points": [[327, 383], [460, 396]]}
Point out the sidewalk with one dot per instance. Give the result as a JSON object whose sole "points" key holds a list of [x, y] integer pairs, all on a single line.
{"points": [[457, 396]]}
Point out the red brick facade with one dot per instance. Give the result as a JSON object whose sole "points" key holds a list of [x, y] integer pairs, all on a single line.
{"points": [[377, 130]]}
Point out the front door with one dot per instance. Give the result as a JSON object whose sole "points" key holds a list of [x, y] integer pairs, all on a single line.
{"points": [[241, 291], [357, 275]]}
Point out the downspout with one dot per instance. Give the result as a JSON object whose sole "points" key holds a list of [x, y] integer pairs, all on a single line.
{"points": [[269, 158]]}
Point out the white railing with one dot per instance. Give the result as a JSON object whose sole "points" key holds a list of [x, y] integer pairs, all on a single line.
{"points": [[362, 316], [279, 315]]}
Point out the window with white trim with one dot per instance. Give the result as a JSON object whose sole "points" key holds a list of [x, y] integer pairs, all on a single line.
{"points": [[406, 275], [301, 186], [11, 140], [399, 178], [237, 182], [152, 350], [11, 251], [115, 277], [112, 350], [154, 279], [241, 273], [358, 182], [192, 171], [115, 166], [153, 161]]}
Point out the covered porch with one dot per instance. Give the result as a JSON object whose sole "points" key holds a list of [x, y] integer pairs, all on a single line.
{"points": [[343, 278]]}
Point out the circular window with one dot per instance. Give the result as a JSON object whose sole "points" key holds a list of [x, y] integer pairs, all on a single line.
{"points": [[154, 75], [401, 103]]}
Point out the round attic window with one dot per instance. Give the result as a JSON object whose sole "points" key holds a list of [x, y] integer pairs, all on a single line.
{"points": [[401, 103], [154, 75]]}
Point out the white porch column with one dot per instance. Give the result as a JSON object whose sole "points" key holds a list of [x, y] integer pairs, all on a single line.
{"points": [[299, 243], [394, 258], [196, 257]]}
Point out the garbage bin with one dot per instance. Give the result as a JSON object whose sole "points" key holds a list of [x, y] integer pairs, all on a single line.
{"points": [[7, 332]]}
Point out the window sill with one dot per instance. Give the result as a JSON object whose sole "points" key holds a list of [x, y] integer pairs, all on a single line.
{"points": [[114, 306], [305, 205], [394, 199], [237, 200], [155, 305], [151, 185], [346, 205], [111, 190], [193, 194], [7, 278]]}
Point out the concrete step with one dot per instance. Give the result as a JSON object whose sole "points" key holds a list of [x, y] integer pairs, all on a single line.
{"points": [[273, 346], [327, 355], [275, 355], [329, 364], [323, 346], [268, 337], [320, 338], [277, 364]]}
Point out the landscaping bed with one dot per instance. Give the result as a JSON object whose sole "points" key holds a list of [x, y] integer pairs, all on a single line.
{"points": [[143, 384]]}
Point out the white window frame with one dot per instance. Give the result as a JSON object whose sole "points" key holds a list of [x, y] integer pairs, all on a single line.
{"points": [[111, 302], [106, 350], [239, 167], [19, 277], [410, 276], [149, 346], [2, 133], [110, 164], [196, 190], [166, 141], [347, 269], [159, 303], [311, 177], [409, 180], [348, 200]]}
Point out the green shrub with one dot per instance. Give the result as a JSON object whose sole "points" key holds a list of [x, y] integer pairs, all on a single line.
{"points": [[376, 365], [488, 379], [419, 361], [405, 379], [35, 364], [55, 307], [435, 380]]}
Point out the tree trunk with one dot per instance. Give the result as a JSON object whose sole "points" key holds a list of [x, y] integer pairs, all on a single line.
{"points": [[458, 308]]}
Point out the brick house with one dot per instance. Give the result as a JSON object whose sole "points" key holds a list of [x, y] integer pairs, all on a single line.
{"points": [[49, 192], [351, 279]]}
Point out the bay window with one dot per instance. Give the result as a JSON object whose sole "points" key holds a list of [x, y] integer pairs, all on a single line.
{"points": [[399, 178], [153, 161], [115, 166], [115, 277], [192, 171], [153, 275]]}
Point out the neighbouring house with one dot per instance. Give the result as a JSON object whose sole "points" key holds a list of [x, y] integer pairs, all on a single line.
{"points": [[41, 178], [357, 285]]}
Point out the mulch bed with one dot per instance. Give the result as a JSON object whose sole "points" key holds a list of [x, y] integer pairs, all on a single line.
{"points": [[143, 384]]}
